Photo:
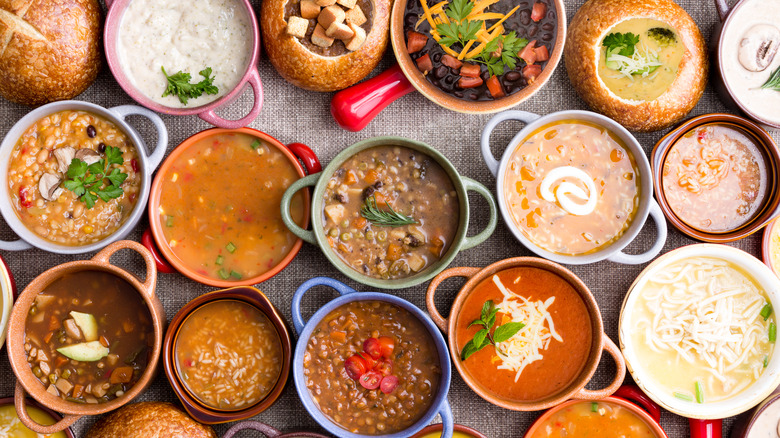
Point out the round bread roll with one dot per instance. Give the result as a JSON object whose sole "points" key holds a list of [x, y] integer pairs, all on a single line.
{"points": [[149, 419], [593, 21], [49, 49], [306, 69]]}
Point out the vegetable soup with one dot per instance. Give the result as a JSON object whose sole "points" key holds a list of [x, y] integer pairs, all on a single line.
{"points": [[715, 178], [88, 337], [390, 212], [228, 354], [219, 206], [535, 329], [600, 419], [12, 427], [572, 187], [708, 322]]}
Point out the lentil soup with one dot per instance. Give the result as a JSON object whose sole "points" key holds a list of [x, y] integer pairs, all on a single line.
{"points": [[390, 212], [409, 354], [38, 173]]}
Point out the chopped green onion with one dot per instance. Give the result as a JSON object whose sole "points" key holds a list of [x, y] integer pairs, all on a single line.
{"points": [[594, 407], [699, 393], [772, 332], [220, 259], [766, 311], [235, 275], [255, 144], [230, 247], [682, 396], [766, 361], [169, 221], [223, 274]]}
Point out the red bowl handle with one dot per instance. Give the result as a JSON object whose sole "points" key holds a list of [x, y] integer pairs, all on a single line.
{"points": [[633, 394], [706, 428], [357, 105], [305, 154], [159, 260]]}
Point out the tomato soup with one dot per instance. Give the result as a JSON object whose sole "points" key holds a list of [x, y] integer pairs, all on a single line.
{"points": [[566, 341], [219, 206], [594, 419]]}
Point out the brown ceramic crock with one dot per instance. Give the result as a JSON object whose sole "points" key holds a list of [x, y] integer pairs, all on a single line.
{"points": [[745, 421], [438, 428], [26, 380], [601, 342], [30, 402], [268, 431], [771, 206], [198, 410]]}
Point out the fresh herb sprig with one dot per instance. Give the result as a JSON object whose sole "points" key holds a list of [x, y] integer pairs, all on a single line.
{"points": [[179, 85], [384, 218], [483, 337], [507, 47], [621, 43], [773, 83], [459, 30], [97, 180]]}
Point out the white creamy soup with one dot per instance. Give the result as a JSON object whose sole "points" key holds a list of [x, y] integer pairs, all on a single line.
{"points": [[766, 424], [186, 36], [744, 83]]}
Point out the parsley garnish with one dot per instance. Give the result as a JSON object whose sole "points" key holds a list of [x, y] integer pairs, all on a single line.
{"points": [[483, 337], [508, 46], [621, 43], [179, 85], [459, 30], [88, 182]]}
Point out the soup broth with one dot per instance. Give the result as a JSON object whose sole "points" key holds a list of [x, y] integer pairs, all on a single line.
{"points": [[12, 427], [572, 187]]}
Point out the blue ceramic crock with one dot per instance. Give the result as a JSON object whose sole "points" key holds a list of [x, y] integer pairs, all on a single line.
{"points": [[304, 329]]}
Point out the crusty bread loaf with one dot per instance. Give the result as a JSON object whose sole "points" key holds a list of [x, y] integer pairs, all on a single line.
{"points": [[149, 419], [49, 49]]}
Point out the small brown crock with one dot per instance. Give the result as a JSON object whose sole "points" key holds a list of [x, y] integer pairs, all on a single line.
{"points": [[30, 402], [768, 211], [198, 410], [26, 380], [601, 341]]}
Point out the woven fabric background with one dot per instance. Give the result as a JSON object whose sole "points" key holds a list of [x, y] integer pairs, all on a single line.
{"points": [[294, 115]]}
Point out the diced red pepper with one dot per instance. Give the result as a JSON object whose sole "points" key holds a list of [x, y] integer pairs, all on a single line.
{"points": [[530, 72], [25, 197], [134, 165], [415, 41], [470, 70], [541, 54], [469, 82], [537, 13], [495, 88], [528, 54], [424, 63]]}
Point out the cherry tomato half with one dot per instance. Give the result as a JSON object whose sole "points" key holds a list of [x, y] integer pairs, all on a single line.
{"points": [[355, 366], [372, 347], [370, 361], [388, 384], [370, 380], [384, 367], [386, 346]]}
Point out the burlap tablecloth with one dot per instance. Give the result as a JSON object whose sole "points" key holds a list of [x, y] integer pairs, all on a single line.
{"points": [[294, 115]]}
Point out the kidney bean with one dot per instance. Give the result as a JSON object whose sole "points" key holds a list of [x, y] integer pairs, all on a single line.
{"points": [[512, 75]]}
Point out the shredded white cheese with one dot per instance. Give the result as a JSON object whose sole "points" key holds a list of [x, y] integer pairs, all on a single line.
{"points": [[526, 345], [642, 60]]}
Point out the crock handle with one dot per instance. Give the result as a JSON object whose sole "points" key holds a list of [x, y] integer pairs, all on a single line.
{"points": [[263, 428], [307, 156], [471, 185], [341, 288], [430, 296], [487, 155], [705, 428], [211, 116], [104, 256], [14, 245], [306, 181], [635, 395], [723, 9], [447, 421], [620, 364], [156, 156], [660, 240], [159, 260], [20, 402], [354, 107]]}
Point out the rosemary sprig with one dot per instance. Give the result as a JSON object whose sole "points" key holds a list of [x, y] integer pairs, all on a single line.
{"points": [[384, 218], [773, 83]]}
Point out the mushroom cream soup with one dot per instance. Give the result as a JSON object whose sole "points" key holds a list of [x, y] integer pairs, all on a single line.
{"points": [[184, 36], [767, 423], [702, 329]]}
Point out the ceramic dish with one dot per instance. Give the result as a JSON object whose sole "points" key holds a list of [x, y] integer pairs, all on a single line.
{"points": [[761, 207], [268, 431], [7, 296], [590, 249], [435, 400], [193, 177], [9, 401], [146, 164], [182, 370], [574, 362], [207, 112], [27, 382], [759, 421], [461, 185], [460, 431], [354, 107]]}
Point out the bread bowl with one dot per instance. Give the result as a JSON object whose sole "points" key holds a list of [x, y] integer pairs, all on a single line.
{"points": [[45, 54], [149, 419], [303, 61], [668, 62]]}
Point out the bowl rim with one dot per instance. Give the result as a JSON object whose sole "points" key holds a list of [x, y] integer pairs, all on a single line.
{"points": [[766, 245], [6, 298], [770, 208], [155, 194], [439, 402], [439, 97], [438, 427], [747, 398], [5, 401], [194, 407]]}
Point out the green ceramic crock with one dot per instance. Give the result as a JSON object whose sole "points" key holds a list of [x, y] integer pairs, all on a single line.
{"points": [[317, 236]]}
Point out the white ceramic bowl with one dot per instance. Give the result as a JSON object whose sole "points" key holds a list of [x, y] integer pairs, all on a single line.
{"points": [[748, 398], [7, 291]]}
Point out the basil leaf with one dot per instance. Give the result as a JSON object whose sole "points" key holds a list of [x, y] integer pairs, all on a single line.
{"points": [[486, 308], [471, 348], [506, 331], [480, 337]]}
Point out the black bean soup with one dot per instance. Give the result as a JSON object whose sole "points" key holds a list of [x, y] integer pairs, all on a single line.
{"points": [[446, 78]]}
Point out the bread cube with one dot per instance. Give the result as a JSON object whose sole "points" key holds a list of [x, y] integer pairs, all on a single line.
{"points": [[325, 3], [309, 9], [318, 38], [355, 16], [331, 14], [349, 4], [297, 26], [357, 40], [340, 31]]}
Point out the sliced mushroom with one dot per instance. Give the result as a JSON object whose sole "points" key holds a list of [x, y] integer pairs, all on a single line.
{"points": [[49, 186], [64, 158], [87, 155], [759, 47]]}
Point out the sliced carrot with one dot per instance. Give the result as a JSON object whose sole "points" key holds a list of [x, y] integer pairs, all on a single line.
{"points": [[425, 64], [78, 391], [394, 252], [470, 70], [542, 54], [495, 88], [359, 223], [531, 72], [351, 178], [469, 82], [54, 323], [60, 361], [339, 336], [48, 337], [528, 54], [121, 375], [415, 41], [537, 13], [372, 175], [451, 62]]}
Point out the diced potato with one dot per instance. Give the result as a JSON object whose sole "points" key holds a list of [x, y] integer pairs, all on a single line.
{"points": [[112, 359], [64, 386], [416, 263], [43, 300], [45, 368], [72, 329], [335, 212], [53, 391], [98, 391], [42, 356]]}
